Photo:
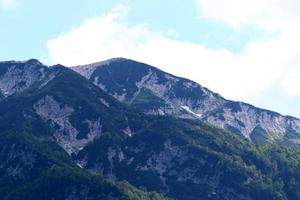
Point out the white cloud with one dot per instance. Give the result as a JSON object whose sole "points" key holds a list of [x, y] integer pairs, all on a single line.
{"points": [[290, 83], [8, 4], [263, 13], [237, 76], [270, 15]]}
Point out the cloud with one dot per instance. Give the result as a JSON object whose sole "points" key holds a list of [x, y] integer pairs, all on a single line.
{"points": [[8, 4], [267, 14], [290, 83], [241, 76]]}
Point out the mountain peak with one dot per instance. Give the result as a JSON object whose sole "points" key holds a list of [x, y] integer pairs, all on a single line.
{"points": [[88, 70], [105, 62], [154, 91], [16, 76], [60, 122], [117, 59], [33, 62]]}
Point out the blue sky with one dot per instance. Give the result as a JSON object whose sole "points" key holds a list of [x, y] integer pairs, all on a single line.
{"points": [[32, 23], [244, 50]]}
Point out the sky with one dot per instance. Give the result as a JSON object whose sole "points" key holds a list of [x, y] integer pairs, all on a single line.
{"points": [[245, 50]]}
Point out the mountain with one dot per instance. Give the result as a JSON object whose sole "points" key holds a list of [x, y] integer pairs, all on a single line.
{"points": [[19, 76], [76, 110], [34, 167], [62, 137], [47, 116], [153, 91], [189, 160]]}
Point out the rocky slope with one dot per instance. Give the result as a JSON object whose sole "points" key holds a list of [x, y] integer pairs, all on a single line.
{"points": [[18, 76], [75, 111], [35, 167], [60, 135], [156, 92], [46, 121], [188, 160]]}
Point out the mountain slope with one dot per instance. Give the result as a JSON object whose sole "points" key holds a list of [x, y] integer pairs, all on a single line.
{"points": [[56, 129], [18, 76], [189, 160], [156, 92], [35, 168], [73, 110], [45, 124]]}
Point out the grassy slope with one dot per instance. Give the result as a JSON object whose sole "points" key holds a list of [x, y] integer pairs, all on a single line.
{"points": [[33, 166], [221, 165]]}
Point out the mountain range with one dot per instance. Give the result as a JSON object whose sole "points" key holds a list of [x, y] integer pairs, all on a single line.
{"points": [[153, 91], [121, 129]]}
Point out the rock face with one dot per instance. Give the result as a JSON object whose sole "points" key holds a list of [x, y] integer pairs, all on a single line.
{"points": [[18, 76], [62, 103], [150, 89], [185, 160], [48, 116], [36, 168], [58, 122], [158, 93], [66, 134]]}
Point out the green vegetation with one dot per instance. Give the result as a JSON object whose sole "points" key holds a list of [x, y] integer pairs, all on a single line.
{"points": [[190, 160], [183, 159], [34, 168]]}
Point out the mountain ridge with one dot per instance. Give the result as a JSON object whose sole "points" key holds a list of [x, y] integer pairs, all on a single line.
{"points": [[43, 127], [79, 68], [128, 80], [68, 138]]}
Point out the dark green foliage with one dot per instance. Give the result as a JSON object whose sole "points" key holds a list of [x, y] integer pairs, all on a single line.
{"points": [[260, 136], [121, 75], [183, 159], [61, 183], [34, 168], [147, 100], [116, 74], [221, 164]]}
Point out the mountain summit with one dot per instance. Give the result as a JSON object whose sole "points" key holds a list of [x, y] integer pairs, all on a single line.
{"points": [[156, 92], [127, 130]]}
